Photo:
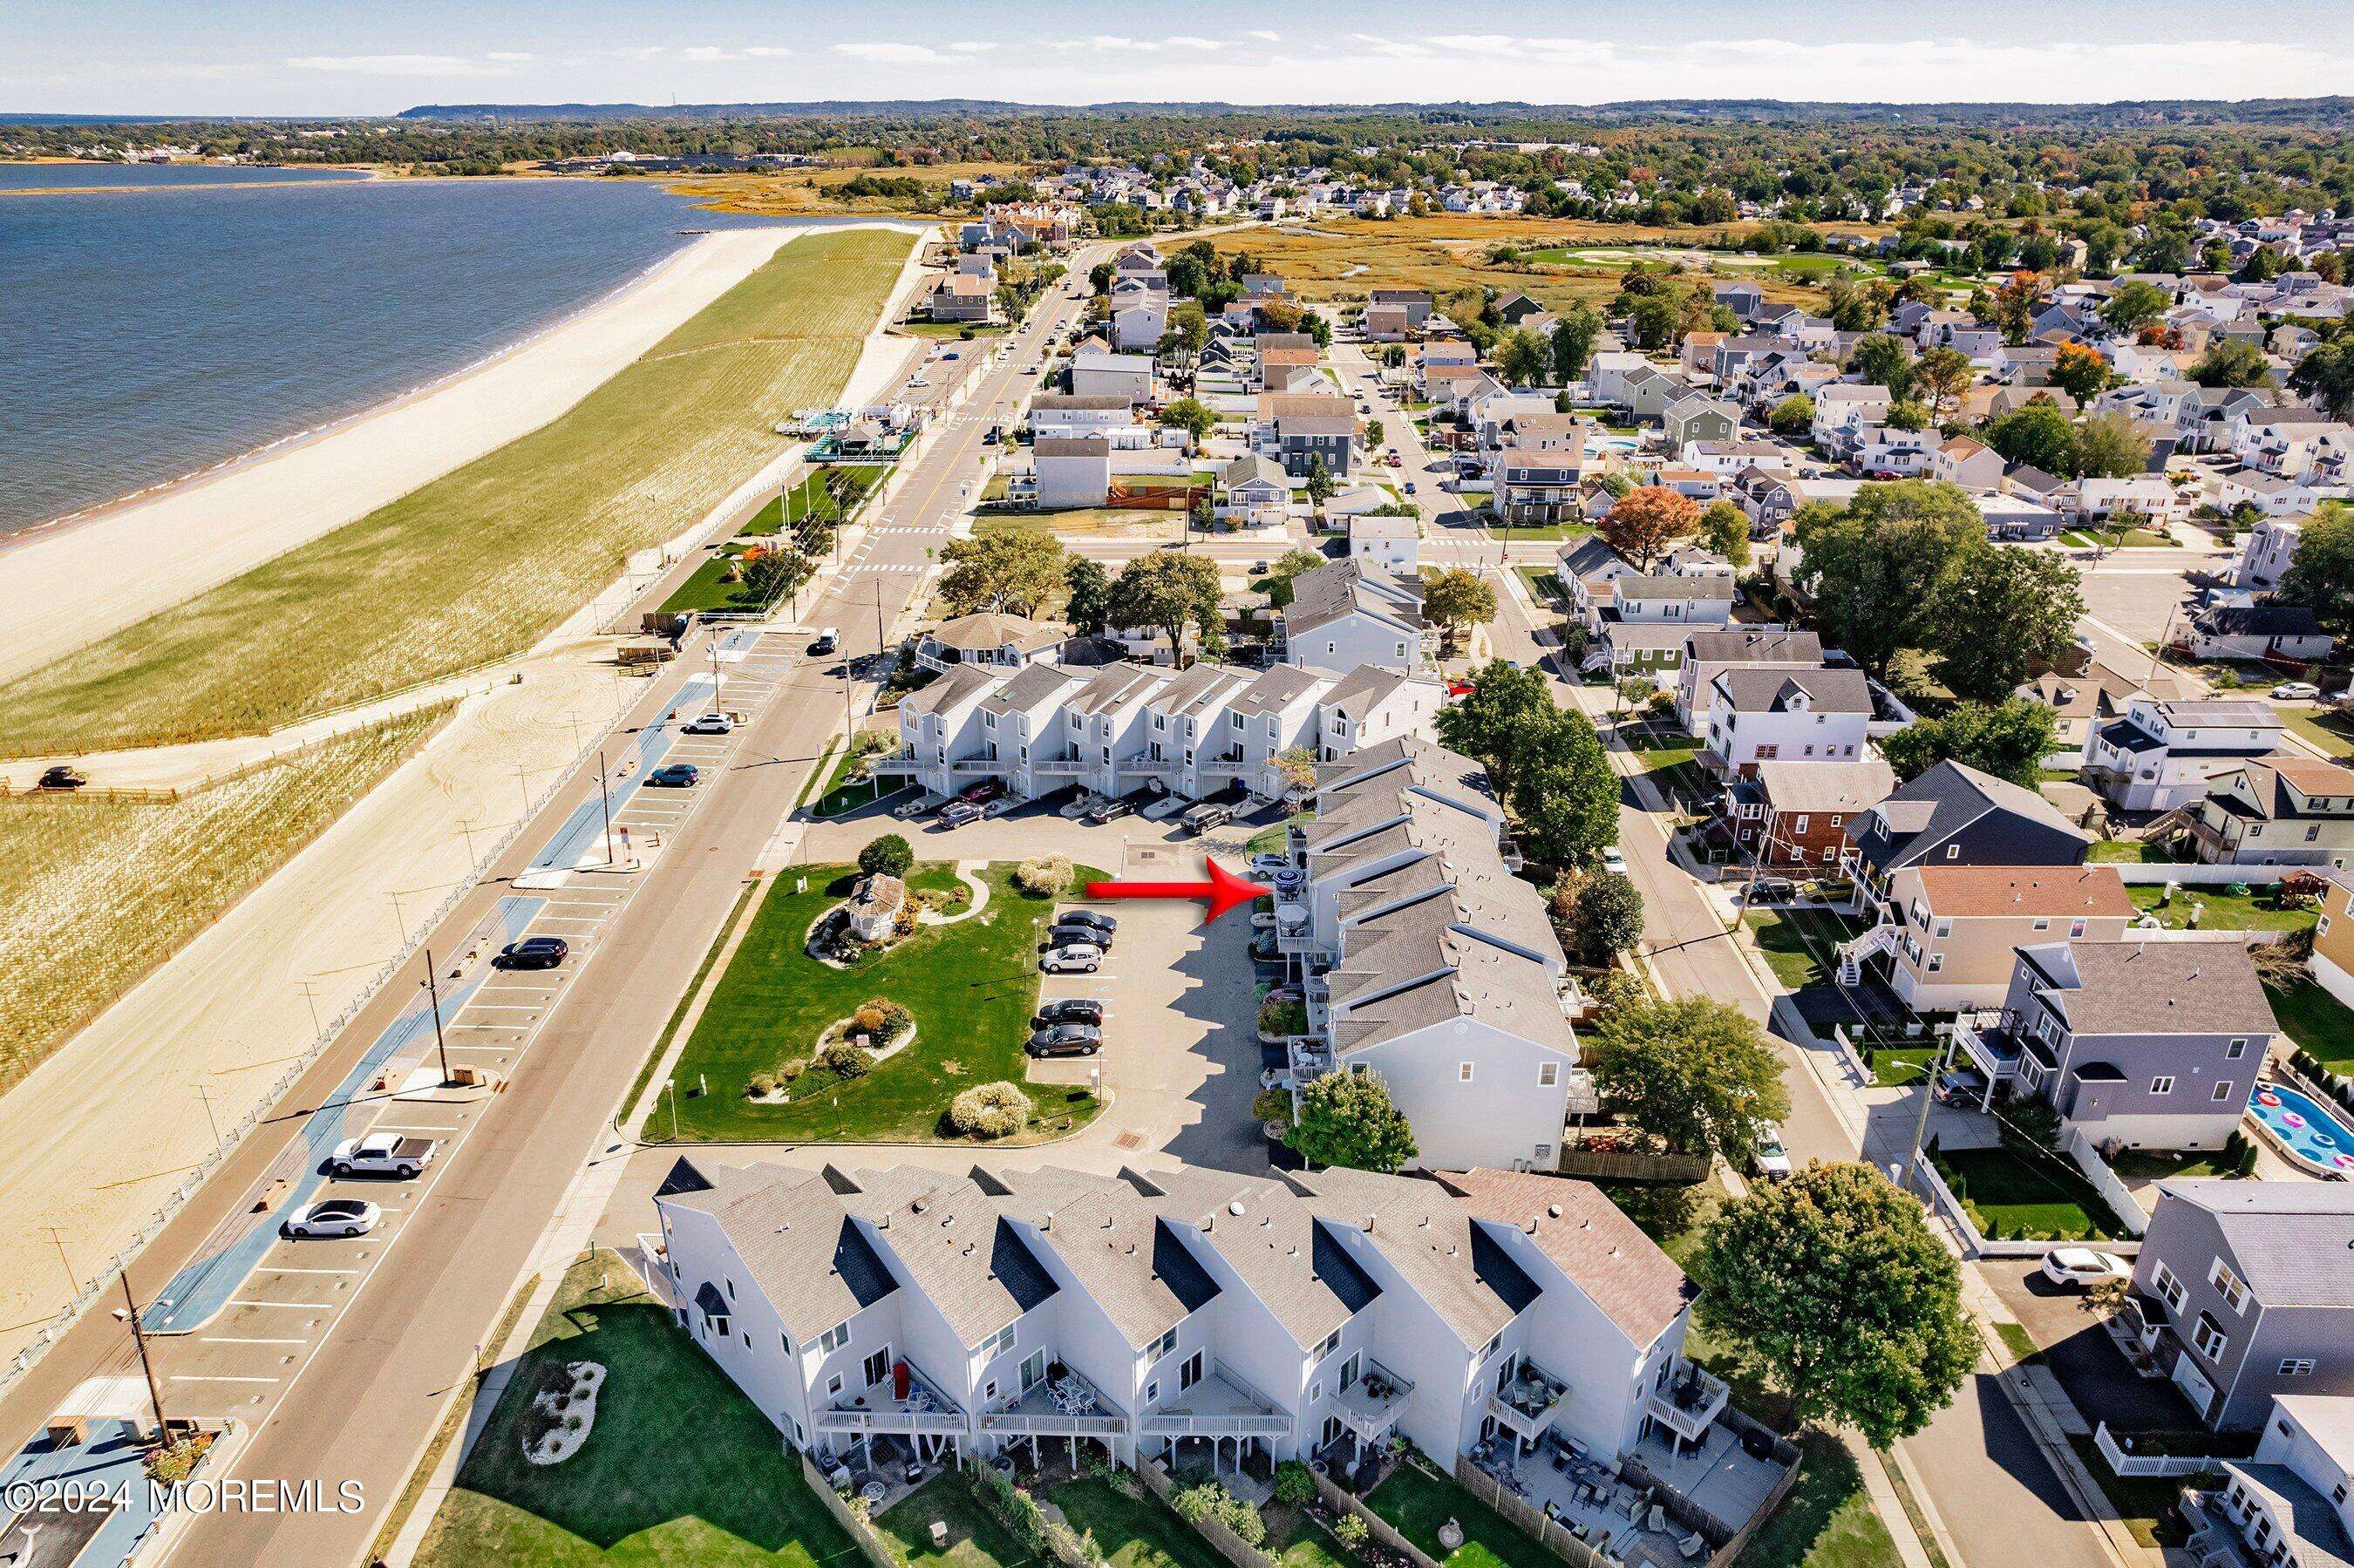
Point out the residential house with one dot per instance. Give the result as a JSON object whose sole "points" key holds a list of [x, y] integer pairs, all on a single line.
{"points": [[2276, 632], [2285, 1505], [1765, 714], [962, 296], [2243, 1292], [1699, 418], [1968, 462], [1795, 816], [2084, 703], [2265, 554], [1842, 410], [2281, 810], [1057, 416], [1709, 652], [2162, 755], [1955, 815], [1346, 614], [1096, 373], [1947, 932], [2139, 1044], [1252, 492], [2332, 963], [1074, 472], [1302, 439], [990, 639], [1385, 543]]}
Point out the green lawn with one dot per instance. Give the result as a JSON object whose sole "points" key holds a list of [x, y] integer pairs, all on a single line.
{"points": [[1661, 750], [813, 497], [678, 1468], [1828, 1520], [1132, 1531], [843, 794], [2318, 1022], [1416, 1503], [2017, 1195], [1503, 530], [1797, 943], [478, 564], [2222, 910], [709, 589], [2132, 539], [1544, 586], [972, 987], [2130, 852], [2145, 1504], [1898, 1066], [1305, 1543], [2333, 733], [1275, 839], [975, 1538]]}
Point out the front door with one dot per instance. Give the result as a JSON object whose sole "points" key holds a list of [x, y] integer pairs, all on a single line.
{"points": [[2193, 1383]]}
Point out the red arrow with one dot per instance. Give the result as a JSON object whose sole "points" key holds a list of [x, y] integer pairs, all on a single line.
{"points": [[1224, 890]]}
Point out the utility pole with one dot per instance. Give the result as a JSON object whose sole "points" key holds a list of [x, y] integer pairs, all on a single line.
{"points": [[1928, 1093], [433, 992], [139, 1337], [605, 794], [714, 670], [310, 995], [210, 1119]]}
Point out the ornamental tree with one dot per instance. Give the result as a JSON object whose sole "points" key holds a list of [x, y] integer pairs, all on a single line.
{"points": [[1347, 1119], [1641, 526], [1693, 1073]]}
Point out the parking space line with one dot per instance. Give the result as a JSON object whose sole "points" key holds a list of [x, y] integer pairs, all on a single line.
{"points": [[297, 1306], [241, 1339], [290, 1268], [217, 1377]]}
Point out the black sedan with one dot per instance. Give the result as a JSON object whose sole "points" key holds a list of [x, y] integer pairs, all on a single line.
{"points": [[534, 953], [677, 775], [1103, 923], [1064, 933], [1073, 1009], [1066, 1040]]}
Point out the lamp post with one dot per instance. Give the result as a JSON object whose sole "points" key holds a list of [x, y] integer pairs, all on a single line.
{"points": [[433, 992], [605, 795]]}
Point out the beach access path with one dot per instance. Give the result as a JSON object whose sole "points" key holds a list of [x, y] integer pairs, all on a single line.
{"points": [[70, 585]]}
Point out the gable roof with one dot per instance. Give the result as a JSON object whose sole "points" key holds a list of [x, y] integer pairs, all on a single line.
{"points": [[2292, 1242], [1765, 689], [796, 1239], [1422, 1231], [1930, 810], [2065, 892], [1588, 1238]]}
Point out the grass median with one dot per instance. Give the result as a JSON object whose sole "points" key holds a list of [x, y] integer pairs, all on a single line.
{"points": [[478, 564], [971, 986]]}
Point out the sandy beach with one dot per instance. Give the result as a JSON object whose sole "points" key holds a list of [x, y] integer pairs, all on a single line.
{"points": [[70, 585]]}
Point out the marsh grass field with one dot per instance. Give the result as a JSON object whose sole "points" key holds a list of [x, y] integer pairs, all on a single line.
{"points": [[480, 563], [95, 893]]}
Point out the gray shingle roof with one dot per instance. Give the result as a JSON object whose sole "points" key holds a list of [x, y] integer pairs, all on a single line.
{"points": [[797, 1241], [1273, 1244], [2156, 988], [2292, 1242], [1423, 1231], [1588, 1237], [1113, 1241], [1755, 689]]}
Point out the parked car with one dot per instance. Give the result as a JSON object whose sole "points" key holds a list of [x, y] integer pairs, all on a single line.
{"points": [[979, 794], [827, 641], [1078, 958], [1409, 487], [331, 1217], [1202, 819], [1259, 568], [1104, 923], [675, 776], [1268, 863], [533, 953], [1111, 811], [1769, 1158], [1613, 860], [1770, 890], [61, 778], [1072, 1010], [710, 723], [957, 813], [382, 1154], [1070, 934], [2082, 1267], [1066, 1040], [2296, 692]]}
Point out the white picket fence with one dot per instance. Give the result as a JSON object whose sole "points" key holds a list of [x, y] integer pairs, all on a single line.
{"points": [[2113, 1192], [2125, 1464]]}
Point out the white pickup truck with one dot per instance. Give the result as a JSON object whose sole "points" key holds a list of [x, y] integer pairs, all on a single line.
{"points": [[382, 1154]]}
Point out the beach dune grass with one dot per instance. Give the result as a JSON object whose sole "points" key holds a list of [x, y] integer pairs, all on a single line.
{"points": [[678, 1468], [972, 986], [95, 893], [478, 564]]}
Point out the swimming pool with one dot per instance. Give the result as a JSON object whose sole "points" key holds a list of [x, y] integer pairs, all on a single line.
{"points": [[2310, 1135]]}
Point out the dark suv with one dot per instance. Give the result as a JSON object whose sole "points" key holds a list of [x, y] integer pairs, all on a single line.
{"points": [[1075, 1010], [534, 953]]}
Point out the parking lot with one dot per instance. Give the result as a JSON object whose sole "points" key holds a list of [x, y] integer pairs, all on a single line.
{"points": [[236, 1326]]}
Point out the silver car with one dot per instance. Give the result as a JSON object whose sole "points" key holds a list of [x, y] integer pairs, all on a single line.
{"points": [[333, 1217]]}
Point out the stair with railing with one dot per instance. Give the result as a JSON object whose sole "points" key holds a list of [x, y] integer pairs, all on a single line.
{"points": [[1852, 955]]}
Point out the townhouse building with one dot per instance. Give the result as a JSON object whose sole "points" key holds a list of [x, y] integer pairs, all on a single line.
{"points": [[2162, 755], [1947, 935], [1424, 959], [2241, 1294], [917, 1312], [2137, 1044]]}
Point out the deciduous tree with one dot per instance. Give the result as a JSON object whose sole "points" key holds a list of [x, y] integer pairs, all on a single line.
{"points": [[1522, 357], [1792, 417], [2010, 739], [1348, 1119], [1876, 567], [1881, 361], [1192, 416], [2108, 447], [1725, 528], [1641, 526], [2038, 434], [1694, 1073], [2231, 363], [1833, 1285], [1168, 590], [1999, 616], [1012, 565], [2080, 372], [1458, 600], [1089, 587], [2131, 304], [2321, 573], [1597, 914], [1574, 334]]}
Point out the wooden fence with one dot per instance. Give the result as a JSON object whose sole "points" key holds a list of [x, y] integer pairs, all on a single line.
{"points": [[853, 1522], [1230, 1546], [1554, 1536], [1626, 1165], [1383, 1532]]}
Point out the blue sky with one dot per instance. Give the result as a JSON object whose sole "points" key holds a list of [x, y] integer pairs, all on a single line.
{"points": [[223, 56]]}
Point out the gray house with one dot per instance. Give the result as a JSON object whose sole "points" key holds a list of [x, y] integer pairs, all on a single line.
{"points": [[2246, 1289], [1955, 815], [2139, 1044], [1302, 438]]}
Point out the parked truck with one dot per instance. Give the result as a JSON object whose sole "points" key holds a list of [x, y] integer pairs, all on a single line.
{"points": [[382, 1154]]}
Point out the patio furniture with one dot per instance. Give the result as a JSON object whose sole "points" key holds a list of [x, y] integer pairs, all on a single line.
{"points": [[1692, 1545], [872, 1491], [1658, 1519], [939, 1535]]}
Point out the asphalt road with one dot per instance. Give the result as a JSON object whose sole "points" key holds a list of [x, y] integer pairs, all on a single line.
{"points": [[437, 1284]]}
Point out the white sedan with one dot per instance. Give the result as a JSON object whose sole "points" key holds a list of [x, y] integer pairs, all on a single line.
{"points": [[1268, 864], [2082, 1267], [2296, 692], [333, 1217], [1613, 861], [1077, 959]]}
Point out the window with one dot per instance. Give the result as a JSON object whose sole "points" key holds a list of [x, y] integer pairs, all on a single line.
{"points": [[1188, 1372], [1798, 823], [1463, 1072], [2075, 928], [1945, 927], [2169, 1289], [834, 1386], [2222, 1091], [1162, 1346], [1315, 1392], [2208, 1337], [2161, 1086], [989, 1391], [877, 1366], [2229, 1286], [1349, 1369], [729, 1286], [1936, 963], [1331, 1343], [1953, 852], [834, 1339], [2296, 1366], [1034, 1370], [1835, 821], [1493, 1346], [2041, 923], [1152, 1392], [1548, 1075], [2237, 1049]]}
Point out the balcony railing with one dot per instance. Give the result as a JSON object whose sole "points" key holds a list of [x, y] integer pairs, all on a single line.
{"points": [[1311, 1057], [1224, 1404], [1986, 1039], [1069, 764], [1371, 1406], [926, 1409], [1067, 1406], [977, 764], [1689, 1403], [1526, 1406]]}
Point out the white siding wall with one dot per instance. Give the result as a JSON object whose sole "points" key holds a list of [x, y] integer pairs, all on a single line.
{"points": [[1501, 1115]]}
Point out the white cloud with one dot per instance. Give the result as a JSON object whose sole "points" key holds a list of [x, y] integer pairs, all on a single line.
{"points": [[707, 54], [972, 47], [1187, 41], [767, 51], [1263, 35], [510, 57], [400, 65], [879, 53], [1394, 48]]}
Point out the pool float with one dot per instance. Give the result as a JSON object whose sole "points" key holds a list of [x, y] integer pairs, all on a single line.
{"points": [[2322, 1138], [2343, 1162], [2290, 1118], [2266, 1097]]}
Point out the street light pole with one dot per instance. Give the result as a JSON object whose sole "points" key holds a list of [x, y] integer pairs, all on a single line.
{"points": [[139, 1337], [1921, 1123], [433, 992], [210, 1119], [605, 794]]}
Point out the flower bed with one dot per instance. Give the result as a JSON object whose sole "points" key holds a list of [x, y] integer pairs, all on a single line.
{"points": [[564, 1412]]}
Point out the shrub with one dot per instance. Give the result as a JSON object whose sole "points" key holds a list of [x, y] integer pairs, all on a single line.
{"points": [[845, 1061], [1350, 1531], [888, 855], [1283, 1015], [764, 1083], [989, 1110], [1272, 1105], [793, 1067], [1294, 1483], [1044, 877]]}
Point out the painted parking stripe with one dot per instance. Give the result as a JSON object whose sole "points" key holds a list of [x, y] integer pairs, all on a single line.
{"points": [[290, 1268], [217, 1377], [296, 1305], [243, 1339]]}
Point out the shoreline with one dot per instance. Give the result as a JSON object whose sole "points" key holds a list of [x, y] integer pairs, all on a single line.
{"points": [[189, 535]]}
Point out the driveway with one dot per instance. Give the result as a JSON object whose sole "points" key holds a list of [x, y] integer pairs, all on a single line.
{"points": [[2080, 1354]]}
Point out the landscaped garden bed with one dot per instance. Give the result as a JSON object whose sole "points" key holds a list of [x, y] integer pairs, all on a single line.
{"points": [[1417, 1503], [2014, 1195], [971, 987]]}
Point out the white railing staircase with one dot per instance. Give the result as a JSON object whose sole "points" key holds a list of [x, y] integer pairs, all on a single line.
{"points": [[1852, 955]]}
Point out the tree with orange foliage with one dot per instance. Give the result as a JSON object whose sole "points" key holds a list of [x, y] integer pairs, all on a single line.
{"points": [[1647, 521]]}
